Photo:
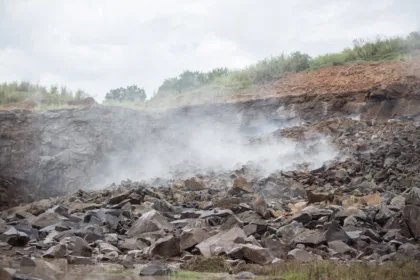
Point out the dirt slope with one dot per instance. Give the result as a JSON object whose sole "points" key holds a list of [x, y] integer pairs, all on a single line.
{"points": [[338, 79]]}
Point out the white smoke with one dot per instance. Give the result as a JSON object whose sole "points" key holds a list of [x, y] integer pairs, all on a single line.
{"points": [[186, 146]]}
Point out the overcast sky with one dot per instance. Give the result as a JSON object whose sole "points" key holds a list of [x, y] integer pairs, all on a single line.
{"points": [[97, 45]]}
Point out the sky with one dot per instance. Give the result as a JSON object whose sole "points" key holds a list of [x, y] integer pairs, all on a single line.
{"points": [[97, 45]]}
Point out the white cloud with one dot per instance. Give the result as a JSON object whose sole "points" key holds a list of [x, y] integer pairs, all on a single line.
{"points": [[97, 45]]}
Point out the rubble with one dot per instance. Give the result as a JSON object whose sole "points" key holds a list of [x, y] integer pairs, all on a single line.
{"points": [[353, 208]]}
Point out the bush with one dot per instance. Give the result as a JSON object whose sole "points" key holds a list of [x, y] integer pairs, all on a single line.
{"points": [[15, 92], [130, 93]]}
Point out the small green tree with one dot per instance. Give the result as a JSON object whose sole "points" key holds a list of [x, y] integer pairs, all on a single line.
{"points": [[130, 93], [80, 94]]}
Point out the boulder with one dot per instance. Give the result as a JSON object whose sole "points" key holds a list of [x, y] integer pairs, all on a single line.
{"points": [[351, 211], [149, 222], [302, 217], [155, 269], [408, 251], [310, 238], [241, 185], [261, 207], [163, 206], [223, 239], [252, 253], [276, 247], [167, 247], [56, 251], [336, 233], [129, 244], [77, 260], [413, 197], [303, 255], [383, 215], [341, 248], [192, 237], [193, 184], [76, 246], [350, 222], [397, 202], [411, 215], [288, 232], [27, 262], [15, 238], [105, 248], [46, 219], [245, 275]]}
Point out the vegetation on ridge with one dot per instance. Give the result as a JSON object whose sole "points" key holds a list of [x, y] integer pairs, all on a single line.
{"points": [[15, 92], [195, 85], [273, 68]]}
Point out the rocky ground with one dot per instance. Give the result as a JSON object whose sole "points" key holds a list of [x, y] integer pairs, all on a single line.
{"points": [[363, 206]]}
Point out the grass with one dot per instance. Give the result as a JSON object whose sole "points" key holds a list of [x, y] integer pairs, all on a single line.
{"points": [[186, 275], [212, 265], [325, 270], [15, 93], [118, 272]]}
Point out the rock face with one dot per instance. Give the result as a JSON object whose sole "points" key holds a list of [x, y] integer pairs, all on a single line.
{"points": [[62, 150]]}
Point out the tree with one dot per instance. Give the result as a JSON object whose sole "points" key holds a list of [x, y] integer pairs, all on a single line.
{"points": [[130, 93], [54, 90], [135, 93], [80, 94]]}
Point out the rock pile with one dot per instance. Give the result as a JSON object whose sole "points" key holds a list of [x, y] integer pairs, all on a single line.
{"points": [[364, 206]]}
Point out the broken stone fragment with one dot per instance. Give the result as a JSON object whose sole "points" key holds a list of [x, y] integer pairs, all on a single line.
{"points": [[341, 248], [193, 184], [46, 219], [351, 211], [56, 251], [14, 237], [27, 262], [78, 260], [149, 222], [222, 239], [261, 207], [252, 253], [245, 275], [336, 233], [77, 246], [276, 246], [241, 185], [310, 238], [129, 244], [192, 237], [168, 246], [411, 215], [105, 248], [303, 256]]}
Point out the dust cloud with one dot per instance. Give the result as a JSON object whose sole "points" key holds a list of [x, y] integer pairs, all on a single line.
{"points": [[181, 146]]}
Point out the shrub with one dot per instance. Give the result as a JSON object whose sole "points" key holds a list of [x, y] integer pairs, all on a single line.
{"points": [[15, 92]]}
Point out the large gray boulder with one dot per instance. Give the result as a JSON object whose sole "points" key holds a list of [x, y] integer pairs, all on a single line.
{"points": [[223, 239], [148, 222]]}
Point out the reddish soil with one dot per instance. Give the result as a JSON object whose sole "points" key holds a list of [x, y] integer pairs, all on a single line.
{"points": [[338, 79]]}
